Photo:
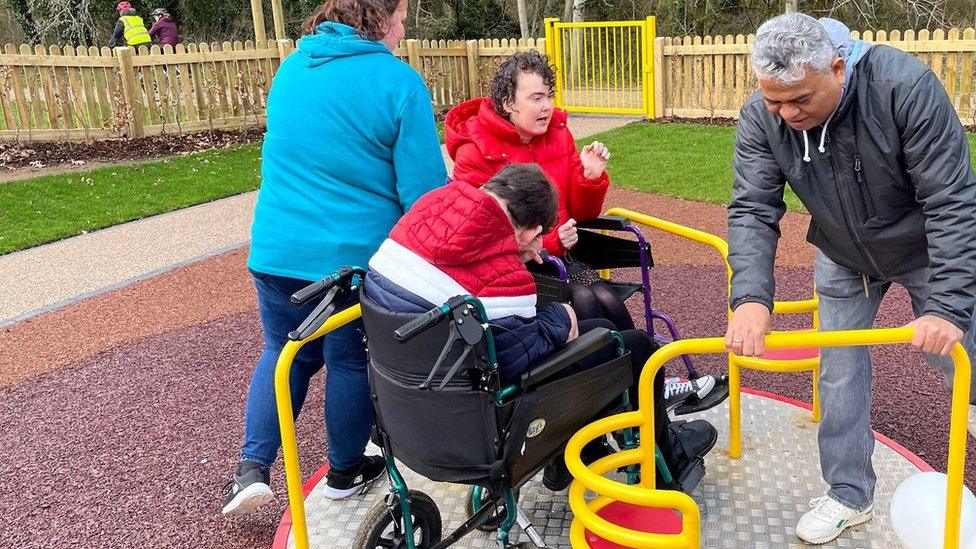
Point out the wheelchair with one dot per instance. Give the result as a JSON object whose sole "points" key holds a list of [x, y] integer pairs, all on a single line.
{"points": [[601, 251], [443, 411]]}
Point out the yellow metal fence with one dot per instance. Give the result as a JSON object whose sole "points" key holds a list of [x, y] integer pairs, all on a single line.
{"points": [[603, 67]]}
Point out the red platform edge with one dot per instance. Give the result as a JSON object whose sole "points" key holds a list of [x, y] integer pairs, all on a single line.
{"points": [[646, 519]]}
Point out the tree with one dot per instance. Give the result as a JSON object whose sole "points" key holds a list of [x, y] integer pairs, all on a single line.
{"points": [[523, 18], [21, 12], [578, 6]]}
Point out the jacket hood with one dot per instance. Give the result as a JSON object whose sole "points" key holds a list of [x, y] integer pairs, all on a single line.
{"points": [[333, 40], [465, 227], [852, 51], [476, 121]]}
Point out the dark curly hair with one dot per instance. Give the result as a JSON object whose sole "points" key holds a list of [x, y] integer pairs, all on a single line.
{"points": [[505, 81], [370, 17]]}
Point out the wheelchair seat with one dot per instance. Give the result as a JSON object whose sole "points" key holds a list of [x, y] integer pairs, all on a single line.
{"points": [[467, 428]]}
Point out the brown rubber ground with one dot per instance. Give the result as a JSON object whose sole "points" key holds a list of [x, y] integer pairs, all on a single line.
{"points": [[122, 413]]}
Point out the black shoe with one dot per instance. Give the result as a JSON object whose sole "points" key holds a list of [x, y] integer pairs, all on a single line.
{"points": [[689, 440], [248, 490], [556, 476], [342, 484]]}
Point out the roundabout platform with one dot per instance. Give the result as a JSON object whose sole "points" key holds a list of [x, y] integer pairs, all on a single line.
{"points": [[752, 502]]}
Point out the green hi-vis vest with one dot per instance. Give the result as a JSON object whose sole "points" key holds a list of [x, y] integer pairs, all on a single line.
{"points": [[134, 30]]}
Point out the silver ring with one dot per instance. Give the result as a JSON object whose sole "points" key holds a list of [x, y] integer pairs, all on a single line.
{"points": [[736, 340]]}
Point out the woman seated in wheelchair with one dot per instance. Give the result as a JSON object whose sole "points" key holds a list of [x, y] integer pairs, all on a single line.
{"points": [[518, 123], [462, 239]]}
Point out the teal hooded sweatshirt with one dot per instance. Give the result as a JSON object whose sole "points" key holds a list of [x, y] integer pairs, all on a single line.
{"points": [[350, 145]]}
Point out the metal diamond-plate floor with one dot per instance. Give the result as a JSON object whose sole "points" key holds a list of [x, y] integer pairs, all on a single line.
{"points": [[751, 502]]}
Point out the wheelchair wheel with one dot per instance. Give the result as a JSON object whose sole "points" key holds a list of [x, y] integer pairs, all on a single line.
{"points": [[493, 522], [383, 526]]}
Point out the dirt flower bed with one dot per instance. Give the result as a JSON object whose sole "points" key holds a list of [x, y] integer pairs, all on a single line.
{"points": [[41, 154]]}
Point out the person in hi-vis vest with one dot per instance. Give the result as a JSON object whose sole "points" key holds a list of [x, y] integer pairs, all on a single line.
{"points": [[129, 29]]}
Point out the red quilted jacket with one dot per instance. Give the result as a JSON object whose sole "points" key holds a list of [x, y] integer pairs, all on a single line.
{"points": [[481, 143], [458, 240]]}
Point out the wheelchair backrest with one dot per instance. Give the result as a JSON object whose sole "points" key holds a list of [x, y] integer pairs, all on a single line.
{"points": [[448, 435]]}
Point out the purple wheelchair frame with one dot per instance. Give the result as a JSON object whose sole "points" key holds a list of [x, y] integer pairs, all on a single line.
{"points": [[650, 314]]}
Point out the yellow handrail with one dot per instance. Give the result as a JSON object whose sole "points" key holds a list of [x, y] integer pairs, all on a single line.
{"points": [[286, 420], [590, 478], [779, 307], [709, 239]]}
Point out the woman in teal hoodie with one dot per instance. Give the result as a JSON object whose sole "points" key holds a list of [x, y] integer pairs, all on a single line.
{"points": [[350, 145]]}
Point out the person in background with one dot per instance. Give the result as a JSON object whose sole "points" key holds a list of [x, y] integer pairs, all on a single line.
{"points": [[164, 31], [129, 28], [351, 144]]}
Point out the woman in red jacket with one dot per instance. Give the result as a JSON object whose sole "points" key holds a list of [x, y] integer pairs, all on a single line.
{"points": [[519, 124]]}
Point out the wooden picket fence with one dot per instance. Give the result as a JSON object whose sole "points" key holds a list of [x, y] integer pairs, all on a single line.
{"points": [[70, 92], [62, 93], [712, 76], [89, 93], [456, 70]]}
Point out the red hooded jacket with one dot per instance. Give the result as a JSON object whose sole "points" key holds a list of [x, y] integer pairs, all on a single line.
{"points": [[481, 143], [458, 240]]}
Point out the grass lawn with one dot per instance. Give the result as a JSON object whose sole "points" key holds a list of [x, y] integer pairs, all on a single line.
{"points": [[683, 160], [44, 209], [689, 161], [49, 208]]}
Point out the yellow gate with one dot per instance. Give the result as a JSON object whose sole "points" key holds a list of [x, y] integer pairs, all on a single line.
{"points": [[603, 67]]}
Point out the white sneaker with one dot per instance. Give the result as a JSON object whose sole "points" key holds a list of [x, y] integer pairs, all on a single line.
{"points": [[828, 519], [676, 391]]}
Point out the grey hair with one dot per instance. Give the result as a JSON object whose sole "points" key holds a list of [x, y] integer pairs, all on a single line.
{"points": [[789, 43]]}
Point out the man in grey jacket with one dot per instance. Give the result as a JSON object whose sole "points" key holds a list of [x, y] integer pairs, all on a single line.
{"points": [[867, 138]]}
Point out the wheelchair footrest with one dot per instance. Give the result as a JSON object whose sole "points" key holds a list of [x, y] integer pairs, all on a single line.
{"points": [[691, 476], [716, 396]]}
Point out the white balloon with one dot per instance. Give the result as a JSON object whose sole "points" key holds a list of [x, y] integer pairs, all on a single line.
{"points": [[918, 512]]}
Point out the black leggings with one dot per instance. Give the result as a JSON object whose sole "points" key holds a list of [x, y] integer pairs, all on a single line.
{"points": [[598, 301], [641, 346]]}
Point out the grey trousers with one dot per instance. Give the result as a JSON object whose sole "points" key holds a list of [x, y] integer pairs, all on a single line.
{"points": [[845, 437]]}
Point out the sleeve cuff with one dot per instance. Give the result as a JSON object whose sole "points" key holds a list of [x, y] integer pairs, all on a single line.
{"points": [[735, 302], [961, 323]]}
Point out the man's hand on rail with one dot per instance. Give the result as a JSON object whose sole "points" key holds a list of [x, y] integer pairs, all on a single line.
{"points": [[747, 330], [934, 334]]}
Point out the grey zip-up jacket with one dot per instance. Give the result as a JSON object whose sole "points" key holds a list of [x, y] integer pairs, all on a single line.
{"points": [[889, 189]]}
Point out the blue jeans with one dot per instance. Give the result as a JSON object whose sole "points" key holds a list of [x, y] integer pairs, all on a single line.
{"points": [[845, 437], [348, 409]]}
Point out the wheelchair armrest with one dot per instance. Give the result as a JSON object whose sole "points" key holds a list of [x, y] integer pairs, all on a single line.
{"points": [[609, 223], [576, 350]]}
